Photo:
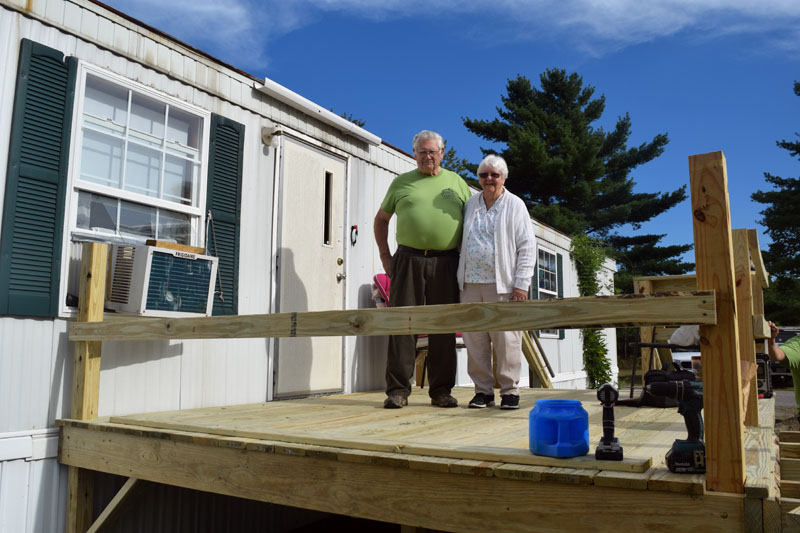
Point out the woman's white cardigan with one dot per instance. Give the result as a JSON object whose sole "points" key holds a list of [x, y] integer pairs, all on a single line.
{"points": [[514, 242]]}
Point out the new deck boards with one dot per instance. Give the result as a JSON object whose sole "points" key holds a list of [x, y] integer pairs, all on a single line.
{"points": [[313, 451], [359, 421]]}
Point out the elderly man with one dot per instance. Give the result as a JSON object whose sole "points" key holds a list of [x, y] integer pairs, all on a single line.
{"points": [[788, 355], [428, 203]]}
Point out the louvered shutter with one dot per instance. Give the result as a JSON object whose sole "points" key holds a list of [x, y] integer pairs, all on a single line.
{"points": [[33, 211], [224, 206]]}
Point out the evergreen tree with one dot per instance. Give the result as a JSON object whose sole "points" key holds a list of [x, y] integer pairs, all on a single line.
{"points": [[349, 116], [782, 220], [576, 177], [460, 166], [641, 256]]}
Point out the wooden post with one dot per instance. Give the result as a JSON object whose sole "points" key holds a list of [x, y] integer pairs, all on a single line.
{"points": [[641, 286], [86, 379], [758, 261], [719, 344], [744, 308]]}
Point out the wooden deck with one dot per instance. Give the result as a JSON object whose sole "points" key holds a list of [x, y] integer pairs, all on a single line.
{"points": [[450, 469]]}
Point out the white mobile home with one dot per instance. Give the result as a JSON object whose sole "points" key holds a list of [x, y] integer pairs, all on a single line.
{"points": [[115, 132]]}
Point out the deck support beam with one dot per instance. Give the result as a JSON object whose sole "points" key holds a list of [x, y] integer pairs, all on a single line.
{"points": [[719, 344], [112, 510], [422, 496], [744, 308], [86, 379]]}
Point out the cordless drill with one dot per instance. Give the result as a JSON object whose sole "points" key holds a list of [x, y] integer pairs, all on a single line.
{"points": [[608, 449], [686, 456]]}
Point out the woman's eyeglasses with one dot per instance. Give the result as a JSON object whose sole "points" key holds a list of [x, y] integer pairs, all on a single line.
{"points": [[484, 175]]}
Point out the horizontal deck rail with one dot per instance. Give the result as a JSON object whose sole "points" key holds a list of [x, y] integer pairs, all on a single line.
{"points": [[629, 310]]}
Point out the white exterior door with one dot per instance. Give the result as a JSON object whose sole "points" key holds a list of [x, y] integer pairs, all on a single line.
{"points": [[310, 265]]}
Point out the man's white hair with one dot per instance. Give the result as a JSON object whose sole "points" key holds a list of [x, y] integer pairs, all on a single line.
{"points": [[425, 135]]}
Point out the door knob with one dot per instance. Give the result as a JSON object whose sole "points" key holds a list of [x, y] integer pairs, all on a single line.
{"points": [[340, 276]]}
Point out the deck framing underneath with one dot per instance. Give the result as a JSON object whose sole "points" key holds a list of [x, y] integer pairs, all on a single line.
{"points": [[422, 492], [218, 450]]}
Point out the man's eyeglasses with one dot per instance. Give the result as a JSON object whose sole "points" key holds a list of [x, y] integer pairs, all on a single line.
{"points": [[426, 153], [484, 175]]}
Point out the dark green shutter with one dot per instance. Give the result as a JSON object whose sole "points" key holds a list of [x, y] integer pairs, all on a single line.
{"points": [[223, 203], [560, 283], [33, 210]]}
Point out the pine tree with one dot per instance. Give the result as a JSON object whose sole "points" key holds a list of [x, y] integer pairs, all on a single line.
{"points": [[782, 220], [576, 177], [460, 166]]}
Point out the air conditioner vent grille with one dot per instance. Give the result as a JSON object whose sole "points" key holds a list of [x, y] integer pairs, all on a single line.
{"points": [[123, 273], [178, 284]]}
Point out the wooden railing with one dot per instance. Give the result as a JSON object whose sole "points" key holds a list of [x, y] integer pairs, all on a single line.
{"points": [[712, 306]]}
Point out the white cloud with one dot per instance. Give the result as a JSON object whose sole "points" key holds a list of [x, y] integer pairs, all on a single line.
{"points": [[240, 31]]}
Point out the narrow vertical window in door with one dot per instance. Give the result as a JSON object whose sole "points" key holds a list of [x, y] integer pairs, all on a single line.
{"points": [[326, 221]]}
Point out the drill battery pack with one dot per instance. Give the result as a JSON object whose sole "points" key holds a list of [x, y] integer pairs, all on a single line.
{"points": [[687, 457]]}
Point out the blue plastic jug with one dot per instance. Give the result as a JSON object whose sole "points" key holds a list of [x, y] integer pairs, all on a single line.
{"points": [[559, 428]]}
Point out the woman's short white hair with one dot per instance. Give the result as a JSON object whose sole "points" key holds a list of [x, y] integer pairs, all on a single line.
{"points": [[496, 162], [425, 135]]}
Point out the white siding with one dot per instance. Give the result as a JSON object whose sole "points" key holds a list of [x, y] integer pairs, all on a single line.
{"points": [[32, 484], [366, 356], [36, 358]]}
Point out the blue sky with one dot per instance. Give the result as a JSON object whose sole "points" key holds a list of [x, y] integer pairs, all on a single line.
{"points": [[712, 74]]}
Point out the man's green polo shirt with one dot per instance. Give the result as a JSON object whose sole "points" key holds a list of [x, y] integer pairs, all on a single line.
{"points": [[428, 208], [792, 350]]}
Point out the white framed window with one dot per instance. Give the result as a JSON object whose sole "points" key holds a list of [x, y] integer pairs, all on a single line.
{"points": [[547, 282], [138, 167]]}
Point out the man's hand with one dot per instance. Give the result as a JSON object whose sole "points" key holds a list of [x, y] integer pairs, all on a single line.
{"points": [[775, 353], [519, 295], [380, 227], [773, 331], [386, 261]]}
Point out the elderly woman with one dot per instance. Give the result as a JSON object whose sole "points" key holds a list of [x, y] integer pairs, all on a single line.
{"points": [[498, 254]]}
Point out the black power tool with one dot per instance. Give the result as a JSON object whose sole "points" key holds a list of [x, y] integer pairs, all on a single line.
{"points": [[609, 448], [686, 456]]}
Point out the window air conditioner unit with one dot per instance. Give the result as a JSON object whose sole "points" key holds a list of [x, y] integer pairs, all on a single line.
{"points": [[160, 282]]}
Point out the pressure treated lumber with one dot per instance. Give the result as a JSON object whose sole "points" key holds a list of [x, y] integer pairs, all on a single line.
{"points": [[790, 489], [744, 314], [758, 260], [680, 282], [356, 421], [400, 495], [113, 509], [789, 436], [790, 515], [760, 327], [535, 360], [176, 246], [543, 354], [643, 287], [719, 346], [86, 379], [591, 312], [790, 469]]}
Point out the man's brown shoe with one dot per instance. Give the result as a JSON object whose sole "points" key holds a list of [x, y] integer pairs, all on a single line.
{"points": [[444, 400], [395, 401]]}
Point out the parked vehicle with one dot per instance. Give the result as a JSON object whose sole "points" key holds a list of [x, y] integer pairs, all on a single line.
{"points": [[781, 376]]}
